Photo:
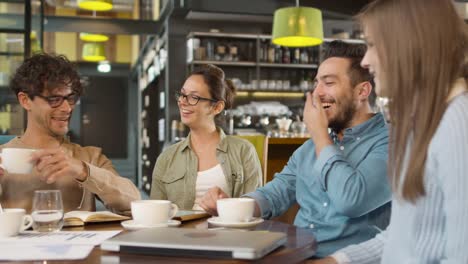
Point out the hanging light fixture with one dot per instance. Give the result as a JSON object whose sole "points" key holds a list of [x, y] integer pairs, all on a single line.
{"points": [[95, 5], [93, 37], [297, 26], [93, 52]]}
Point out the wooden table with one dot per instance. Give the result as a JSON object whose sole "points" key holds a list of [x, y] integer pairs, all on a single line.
{"points": [[300, 246]]}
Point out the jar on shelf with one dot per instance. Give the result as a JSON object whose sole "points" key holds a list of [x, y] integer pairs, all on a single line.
{"points": [[233, 51], [220, 51]]}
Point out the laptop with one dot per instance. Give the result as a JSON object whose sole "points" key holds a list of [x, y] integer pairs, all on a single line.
{"points": [[185, 242]]}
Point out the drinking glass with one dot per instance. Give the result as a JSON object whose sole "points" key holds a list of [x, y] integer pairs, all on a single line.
{"points": [[47, 211]]}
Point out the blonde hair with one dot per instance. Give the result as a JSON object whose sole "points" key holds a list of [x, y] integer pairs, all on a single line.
{"points": [[421, 45]]}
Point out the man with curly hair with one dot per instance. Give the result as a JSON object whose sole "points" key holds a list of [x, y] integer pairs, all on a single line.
{"points": [[48, 87]]}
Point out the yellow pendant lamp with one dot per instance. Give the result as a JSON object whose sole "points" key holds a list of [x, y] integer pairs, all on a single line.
{"points": [[93, 52], [93, 37], [95, 5], [297, 26]]}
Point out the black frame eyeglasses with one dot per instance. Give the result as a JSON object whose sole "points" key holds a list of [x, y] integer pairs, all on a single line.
{"points": [[55, 101], [192, 99]]}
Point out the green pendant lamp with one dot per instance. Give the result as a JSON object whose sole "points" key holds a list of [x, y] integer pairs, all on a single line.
{"points": [[93, 52], [95, 5], [89, 37], [297, 26]]}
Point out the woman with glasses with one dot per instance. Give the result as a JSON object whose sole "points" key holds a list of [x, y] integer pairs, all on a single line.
{"points": [[207, 158], [417, 51]]}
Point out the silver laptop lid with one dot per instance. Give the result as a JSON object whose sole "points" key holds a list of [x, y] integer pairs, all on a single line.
{"points": [[194, 242]]}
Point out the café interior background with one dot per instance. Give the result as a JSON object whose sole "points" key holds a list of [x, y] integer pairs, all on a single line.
{"points": [[128, 108]]}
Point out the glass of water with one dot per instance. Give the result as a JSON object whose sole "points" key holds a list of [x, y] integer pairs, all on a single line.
{"points": [[47, 211]]}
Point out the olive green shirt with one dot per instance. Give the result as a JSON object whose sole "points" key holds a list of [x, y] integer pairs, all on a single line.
{"points": [[175, 173]]}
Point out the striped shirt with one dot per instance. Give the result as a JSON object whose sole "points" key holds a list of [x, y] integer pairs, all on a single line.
{"points": [[435, 228]]}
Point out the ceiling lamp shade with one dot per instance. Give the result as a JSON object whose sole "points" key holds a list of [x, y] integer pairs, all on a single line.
{"points": [[93, 52], [93, 37], [297, 27], [95, 5]]}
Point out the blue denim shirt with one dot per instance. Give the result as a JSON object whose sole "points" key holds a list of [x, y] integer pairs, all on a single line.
{"points": [[342, 193]]}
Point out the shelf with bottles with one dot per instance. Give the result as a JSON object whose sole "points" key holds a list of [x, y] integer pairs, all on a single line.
{"points": [[225, 63], [230, 49], [235, 52], [153, 62], [285, 65], [152, 82]]}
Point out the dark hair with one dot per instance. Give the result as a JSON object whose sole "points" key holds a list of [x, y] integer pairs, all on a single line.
{"points": [[220, 88], [355, 53], [45, 72]]}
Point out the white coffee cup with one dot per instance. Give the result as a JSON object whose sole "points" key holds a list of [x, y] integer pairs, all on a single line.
{"points": [[17, 160], [14, 220], [235, 209], [153, 212]]}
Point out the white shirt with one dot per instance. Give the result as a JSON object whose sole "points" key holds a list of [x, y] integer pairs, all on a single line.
{"points": [[208, 179]]}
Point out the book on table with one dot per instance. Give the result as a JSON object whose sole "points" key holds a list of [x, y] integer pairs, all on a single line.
{"points": [[187, 215], [79, 218]]}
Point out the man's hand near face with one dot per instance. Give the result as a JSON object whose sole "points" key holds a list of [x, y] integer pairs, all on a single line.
{"points": [[316, 121], [52, 164]]}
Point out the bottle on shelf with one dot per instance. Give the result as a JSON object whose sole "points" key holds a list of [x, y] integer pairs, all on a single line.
{"points": [[271, 53], [296, 56], [278, 54], [210, 54], [304, 56], [263, 49], [313, 56], [304, 83], [250, 52], [286, 55]]}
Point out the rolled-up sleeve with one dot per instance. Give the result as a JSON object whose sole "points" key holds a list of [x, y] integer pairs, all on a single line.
{"points": [[280, 193]]}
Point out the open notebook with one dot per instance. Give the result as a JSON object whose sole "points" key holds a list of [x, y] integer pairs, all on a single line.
{"points": [[79, 218]]}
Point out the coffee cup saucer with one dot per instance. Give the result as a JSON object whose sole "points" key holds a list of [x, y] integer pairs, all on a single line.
{"points": [[216, 221], [131, 225]]}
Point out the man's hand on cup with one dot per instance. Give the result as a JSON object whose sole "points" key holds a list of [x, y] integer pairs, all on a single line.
{"points": [[51, 164], [208, 201]]}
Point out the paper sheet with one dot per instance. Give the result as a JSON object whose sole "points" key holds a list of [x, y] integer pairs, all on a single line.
{"points": [[92, 238], [63, 245], [43, 252]]}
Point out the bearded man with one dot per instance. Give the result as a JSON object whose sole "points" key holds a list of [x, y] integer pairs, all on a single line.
{"points": [[339, 176]]}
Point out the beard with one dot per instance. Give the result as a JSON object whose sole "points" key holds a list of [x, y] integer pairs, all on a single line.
{"points": [[342, 120]]}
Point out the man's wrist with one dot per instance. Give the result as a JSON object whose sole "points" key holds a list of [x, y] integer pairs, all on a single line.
{"points": [[321, 141], [84, 172]]}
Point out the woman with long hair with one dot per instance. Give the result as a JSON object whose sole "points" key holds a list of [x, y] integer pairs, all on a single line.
{"points": [[417, 51], [207, 158]]}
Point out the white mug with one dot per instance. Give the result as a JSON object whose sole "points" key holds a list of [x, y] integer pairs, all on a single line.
{"points": [[17, 160], [235, 210], [14, 220], [153, 212]]}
